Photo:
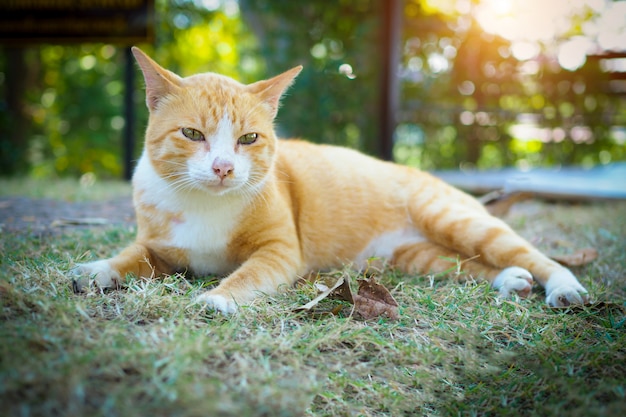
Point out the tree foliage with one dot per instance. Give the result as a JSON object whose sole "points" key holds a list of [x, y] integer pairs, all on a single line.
{"points": [[335, 98], [465, 98]]}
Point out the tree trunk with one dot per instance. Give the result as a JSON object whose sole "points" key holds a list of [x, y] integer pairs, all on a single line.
{"points": [[14, 139]]}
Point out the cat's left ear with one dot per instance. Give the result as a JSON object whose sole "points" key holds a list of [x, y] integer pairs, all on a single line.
{"points": [[272, 90]]}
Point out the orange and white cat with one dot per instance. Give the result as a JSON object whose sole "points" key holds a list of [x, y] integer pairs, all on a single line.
{"points": [[216, 193]]}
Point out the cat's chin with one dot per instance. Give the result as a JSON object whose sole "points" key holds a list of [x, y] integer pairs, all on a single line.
{"points": [[220, 190]]}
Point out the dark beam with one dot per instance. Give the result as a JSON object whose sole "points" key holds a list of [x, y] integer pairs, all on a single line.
{"points": [[390, 43], [129, 114]]}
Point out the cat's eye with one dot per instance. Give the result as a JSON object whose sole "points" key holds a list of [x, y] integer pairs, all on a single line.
{"points": [[248, 138], [192, 134]]}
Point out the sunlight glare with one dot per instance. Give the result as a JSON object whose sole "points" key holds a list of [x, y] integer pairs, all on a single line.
{"points": [[530, 23], [573, 53], [520, 20], [210, 5], [523, 50], [612, 26]]}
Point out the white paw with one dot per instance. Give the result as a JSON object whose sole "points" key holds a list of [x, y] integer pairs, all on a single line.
{"points": [[567, 295], [563, 289], [217, 302], [513, 280], [98, 273]]}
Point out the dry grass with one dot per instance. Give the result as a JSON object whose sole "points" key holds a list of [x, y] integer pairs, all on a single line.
{"points": [[456, 350]]}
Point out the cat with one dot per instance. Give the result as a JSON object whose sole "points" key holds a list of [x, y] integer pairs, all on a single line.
{"points": [[215, 192]]}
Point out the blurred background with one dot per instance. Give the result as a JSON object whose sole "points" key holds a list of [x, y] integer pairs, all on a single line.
{"points": [[473, 83]]}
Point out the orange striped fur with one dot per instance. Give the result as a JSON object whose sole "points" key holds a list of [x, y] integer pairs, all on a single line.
{"points": [[228, 198]]}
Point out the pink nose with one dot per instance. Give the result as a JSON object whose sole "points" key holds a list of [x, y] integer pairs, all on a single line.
{"points": [[222, 167]]}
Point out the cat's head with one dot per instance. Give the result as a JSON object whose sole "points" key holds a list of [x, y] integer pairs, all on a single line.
{"points": [[209, 132]]}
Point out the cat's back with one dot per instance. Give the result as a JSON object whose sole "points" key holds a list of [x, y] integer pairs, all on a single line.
{"points": [[334, 165], [335, 169]]}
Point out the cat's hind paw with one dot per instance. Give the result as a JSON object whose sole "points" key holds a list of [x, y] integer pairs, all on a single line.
{"points": [[567, 295], [513, 280], [217, 302], [563, 289], [98, 273]]}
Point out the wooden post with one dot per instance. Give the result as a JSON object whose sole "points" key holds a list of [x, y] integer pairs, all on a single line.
{"points": [[390, 42], [129, 114], [14, 142]]}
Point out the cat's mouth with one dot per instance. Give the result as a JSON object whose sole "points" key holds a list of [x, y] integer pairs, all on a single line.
{"points": [[220, 187]]}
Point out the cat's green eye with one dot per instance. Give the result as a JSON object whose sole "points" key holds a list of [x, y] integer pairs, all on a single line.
{"points": [[192, 134], [248, 138]]}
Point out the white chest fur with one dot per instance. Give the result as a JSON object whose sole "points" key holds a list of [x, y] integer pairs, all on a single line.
{"points": [[205, 233], [202, 225]]}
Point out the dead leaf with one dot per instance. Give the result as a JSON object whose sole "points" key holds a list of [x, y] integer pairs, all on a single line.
{"points": [[343, 291], [374, 300], [499, 203], [341, 288], [578, 258]]}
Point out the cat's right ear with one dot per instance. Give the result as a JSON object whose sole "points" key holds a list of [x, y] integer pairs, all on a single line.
{"points": [[159, 81]]}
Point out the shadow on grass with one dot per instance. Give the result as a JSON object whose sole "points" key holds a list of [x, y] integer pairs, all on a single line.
{"points": [[579, 369]]}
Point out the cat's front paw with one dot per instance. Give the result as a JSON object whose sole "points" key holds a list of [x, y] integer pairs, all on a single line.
{"points": [[563, 289], [98, 273], [513, 280], [217, 302]]}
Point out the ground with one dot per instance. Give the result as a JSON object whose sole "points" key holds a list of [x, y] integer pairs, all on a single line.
{"points": [[456, 348]]}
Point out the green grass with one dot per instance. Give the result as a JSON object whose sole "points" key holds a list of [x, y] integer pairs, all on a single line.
{"points": [[456, 350], [87, 188]]}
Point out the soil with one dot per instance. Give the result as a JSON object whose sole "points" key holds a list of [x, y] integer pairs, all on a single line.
{"points": [[51, 217]]}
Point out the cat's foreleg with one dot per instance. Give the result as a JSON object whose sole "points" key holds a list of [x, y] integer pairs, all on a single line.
{"points": [[265, 272], [135, 260]]}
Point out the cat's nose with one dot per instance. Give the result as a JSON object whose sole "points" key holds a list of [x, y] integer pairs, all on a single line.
{"points": [[222, 167]]}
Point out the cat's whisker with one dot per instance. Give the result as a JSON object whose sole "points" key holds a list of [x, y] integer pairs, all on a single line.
{"points": [[286, 179], [184, 184], [169, 161]]}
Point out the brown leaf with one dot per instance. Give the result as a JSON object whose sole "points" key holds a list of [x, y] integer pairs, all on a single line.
{"points": [[374, 300], [578, 258], [340, 288], [343, 291], [498, 203]]}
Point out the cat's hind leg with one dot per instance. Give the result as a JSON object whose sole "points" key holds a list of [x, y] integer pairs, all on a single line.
{"points": [[428, 257], [457, 222]]}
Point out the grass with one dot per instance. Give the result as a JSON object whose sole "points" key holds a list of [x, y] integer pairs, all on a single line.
{"points": [[87, 188], [456, 350]]}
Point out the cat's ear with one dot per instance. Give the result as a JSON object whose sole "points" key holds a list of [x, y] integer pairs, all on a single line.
{"points": [[159, 81], [271, 90]]}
